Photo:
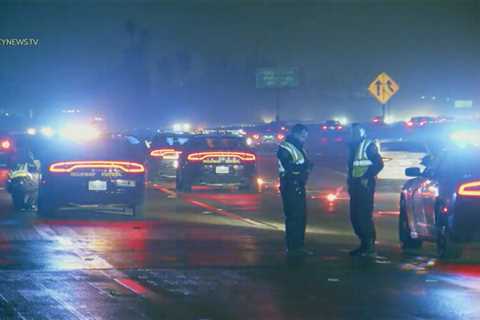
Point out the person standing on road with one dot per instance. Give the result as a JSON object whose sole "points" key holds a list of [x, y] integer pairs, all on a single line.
{"points": [[294, 168], [364, 164]]}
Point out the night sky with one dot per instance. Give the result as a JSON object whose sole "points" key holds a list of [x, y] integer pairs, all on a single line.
{"points": [[148, 63]]}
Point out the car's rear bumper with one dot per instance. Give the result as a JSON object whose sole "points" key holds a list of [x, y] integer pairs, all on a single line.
{"points": [[127, 190], [465, 220], [207, 175], [160, 168]]}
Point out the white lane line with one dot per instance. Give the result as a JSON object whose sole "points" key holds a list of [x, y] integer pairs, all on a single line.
{"points": [[65, 304], [11, 305], [215, 209]]}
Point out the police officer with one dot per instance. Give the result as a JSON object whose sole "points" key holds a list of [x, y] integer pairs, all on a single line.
{"points": [[294, 168], [23, 179], [364, 164]]}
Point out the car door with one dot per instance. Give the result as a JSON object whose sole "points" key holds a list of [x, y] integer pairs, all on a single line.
{"points": [[424, 197]]}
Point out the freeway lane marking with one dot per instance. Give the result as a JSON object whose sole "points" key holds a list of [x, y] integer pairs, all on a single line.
{"points": [[214, 209]]}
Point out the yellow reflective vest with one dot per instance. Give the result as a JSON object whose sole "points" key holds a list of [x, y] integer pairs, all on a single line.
{"points": [[295, 153], [361, 163]]}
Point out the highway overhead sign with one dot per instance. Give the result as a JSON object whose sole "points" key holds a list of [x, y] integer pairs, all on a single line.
{"points": [[277, 78], [383, 88]]}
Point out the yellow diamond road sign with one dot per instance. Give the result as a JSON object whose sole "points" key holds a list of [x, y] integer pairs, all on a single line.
{"points": [[383, 88]]}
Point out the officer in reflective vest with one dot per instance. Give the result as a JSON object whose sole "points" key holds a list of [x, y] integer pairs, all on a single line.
{"points": [[364, 164], [294, 168]]}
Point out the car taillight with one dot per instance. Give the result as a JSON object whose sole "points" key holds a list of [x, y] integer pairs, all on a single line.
{"points": [[280, 136], [339, 127], [256, 136], [167, 154], [69, 166], [5, 144], [200, 156], [324, 127], [469, 189], [409, 124]]}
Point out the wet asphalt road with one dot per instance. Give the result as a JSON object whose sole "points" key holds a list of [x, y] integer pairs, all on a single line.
{"points": [[218, 254]]}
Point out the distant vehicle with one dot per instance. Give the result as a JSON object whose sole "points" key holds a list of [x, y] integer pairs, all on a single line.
{"points": [[270, 134], [217, 160], [106, 171], [7, 149], [419, 122], [442, 202], [378, 120], [332, 125], [164, 153]]}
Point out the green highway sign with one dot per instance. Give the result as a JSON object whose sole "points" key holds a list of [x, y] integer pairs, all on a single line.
{"points": [[277, 78], [463, 104]]}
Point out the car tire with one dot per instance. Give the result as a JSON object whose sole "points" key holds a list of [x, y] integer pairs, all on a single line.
{"points": [[404, 233], [182, 185], [447, 247], [47, 207]]}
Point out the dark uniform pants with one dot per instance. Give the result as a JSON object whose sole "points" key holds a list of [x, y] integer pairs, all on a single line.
{"points": [[294, 208], [361, 210]]}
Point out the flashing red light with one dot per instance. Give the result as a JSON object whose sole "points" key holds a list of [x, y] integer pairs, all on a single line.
{"points": [[167, 154], [6, 144], [331, 197], [69, 166], [469, 189], [200, 156]]}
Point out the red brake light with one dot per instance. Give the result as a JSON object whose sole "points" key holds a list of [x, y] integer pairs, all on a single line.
{"points": [[469, 189], [69, 166], [167, 154], [200, 156], [409, 124], [6, 144], [280, 136]]}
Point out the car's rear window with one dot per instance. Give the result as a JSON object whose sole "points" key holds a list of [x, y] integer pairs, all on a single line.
{"points": [[170, 140], [217, 143], [461, 163], [109, 148]]}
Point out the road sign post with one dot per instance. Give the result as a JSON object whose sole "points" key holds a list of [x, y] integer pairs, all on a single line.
{"points": [[382, 89]]}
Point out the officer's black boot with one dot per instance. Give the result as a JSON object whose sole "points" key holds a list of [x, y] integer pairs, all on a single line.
{"points": [[358, 251], [369, 251]]}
